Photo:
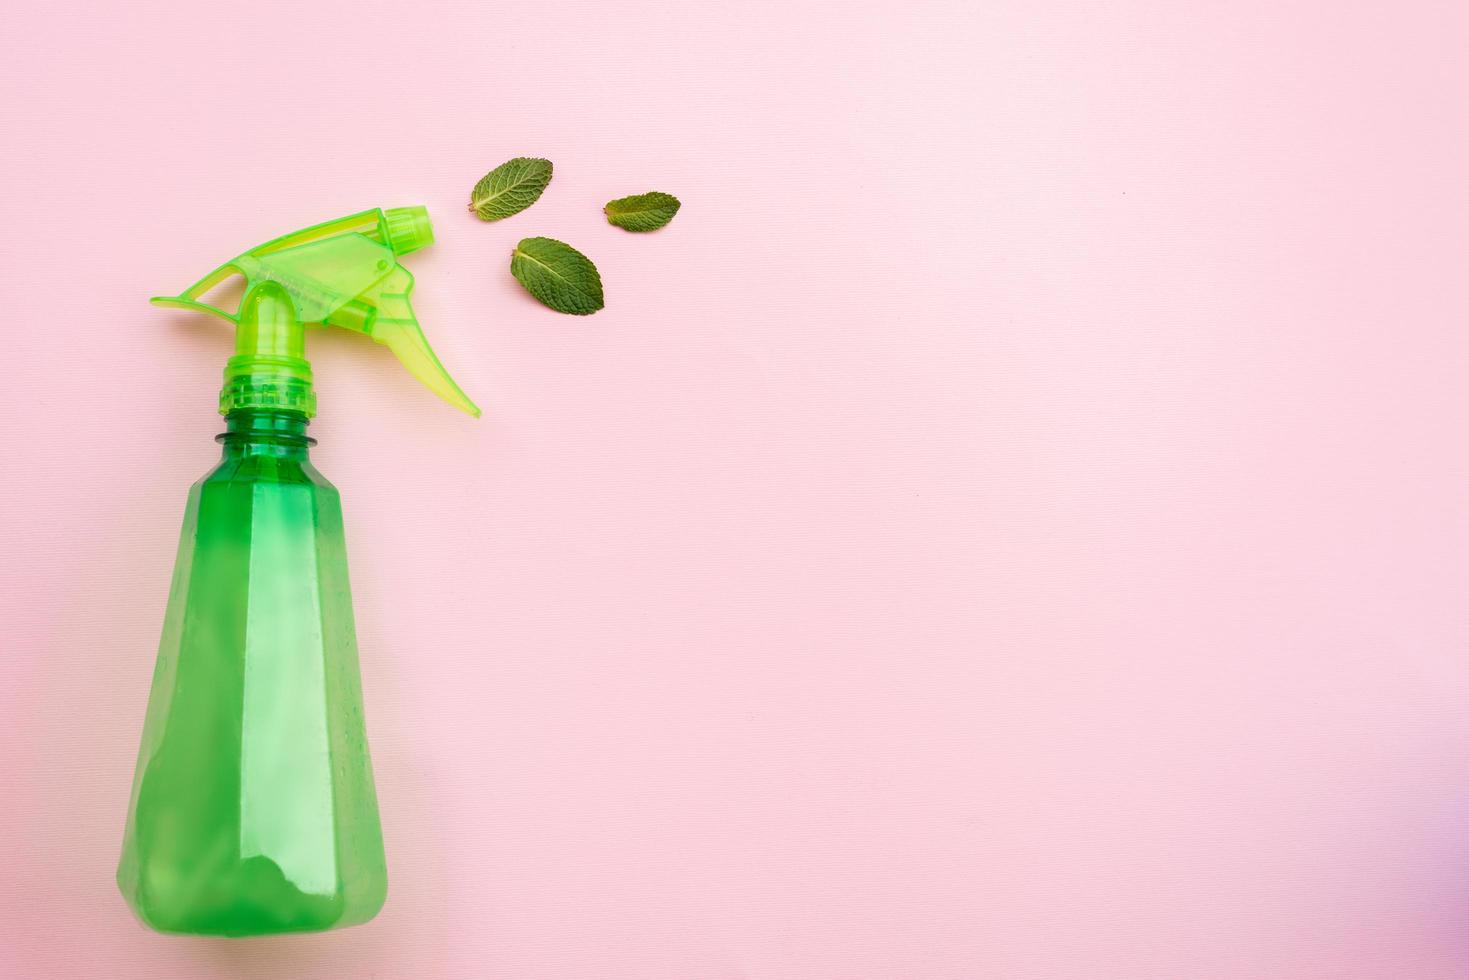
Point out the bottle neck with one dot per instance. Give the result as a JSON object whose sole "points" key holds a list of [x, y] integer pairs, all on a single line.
{"points": [[262, 432]]}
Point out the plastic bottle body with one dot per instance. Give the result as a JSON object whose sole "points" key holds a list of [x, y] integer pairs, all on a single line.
{"points": [[253, 807]]}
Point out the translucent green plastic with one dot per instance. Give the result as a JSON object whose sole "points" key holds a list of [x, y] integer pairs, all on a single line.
{"points": [[253, 809], [343, 273]]}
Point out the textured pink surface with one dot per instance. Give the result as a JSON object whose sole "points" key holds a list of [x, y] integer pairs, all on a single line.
{"points": [[1011, 525]]}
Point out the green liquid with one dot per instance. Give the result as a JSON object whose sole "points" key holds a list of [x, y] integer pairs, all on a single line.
{"points": [[253, 809]]}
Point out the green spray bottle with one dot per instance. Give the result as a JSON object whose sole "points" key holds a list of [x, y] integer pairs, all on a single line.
{"points": [[253, 809]]}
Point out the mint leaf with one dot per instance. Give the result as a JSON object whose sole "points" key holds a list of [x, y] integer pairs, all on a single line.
{"points": [[510, 188], [557, 275], [642, 212]]}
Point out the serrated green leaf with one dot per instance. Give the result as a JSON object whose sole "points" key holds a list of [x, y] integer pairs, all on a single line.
{"points": [[557, 275], [510, 188], [642, 212]]}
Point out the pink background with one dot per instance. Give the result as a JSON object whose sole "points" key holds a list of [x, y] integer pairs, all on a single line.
{"points": [[1011, 525]]}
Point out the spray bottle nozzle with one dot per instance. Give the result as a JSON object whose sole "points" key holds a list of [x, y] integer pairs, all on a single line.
{"points": [[409, 229], [342, 273]]}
